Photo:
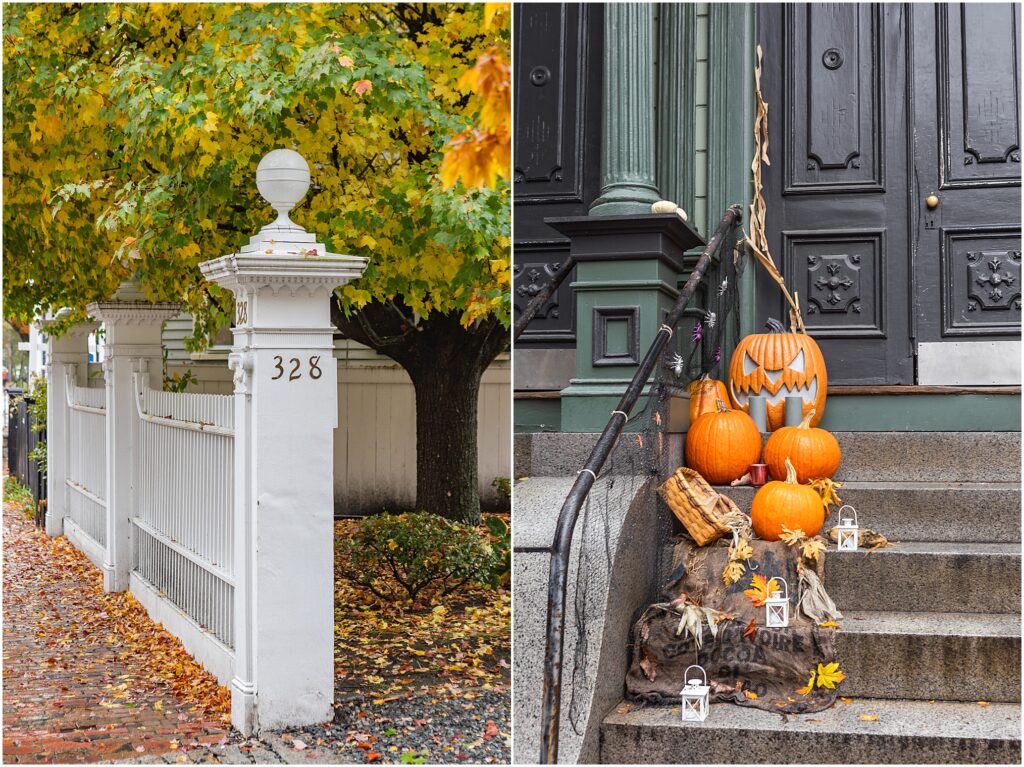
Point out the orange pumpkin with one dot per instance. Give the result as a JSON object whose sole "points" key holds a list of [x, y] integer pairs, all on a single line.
{"points": [[777, 365], [704, 393], [789, 504], [722, 444], [814, 452]]}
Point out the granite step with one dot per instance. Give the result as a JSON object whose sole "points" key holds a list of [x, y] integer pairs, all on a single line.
{"points": [[905, 732], [913, 456], [972, 512], [897, 456], [919, 576], [931, 656]]}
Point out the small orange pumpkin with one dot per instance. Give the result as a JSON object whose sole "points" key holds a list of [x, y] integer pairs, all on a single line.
{"points": [[814, 452], [722, 444], [704, 393], [788, 504]]}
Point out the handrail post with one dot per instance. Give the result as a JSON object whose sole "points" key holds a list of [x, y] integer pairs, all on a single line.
{"points": [[569, 514]]}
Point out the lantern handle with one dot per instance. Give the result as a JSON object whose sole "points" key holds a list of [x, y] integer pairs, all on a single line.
{"points": [[783, 581], [847, 506], [686, 675]]}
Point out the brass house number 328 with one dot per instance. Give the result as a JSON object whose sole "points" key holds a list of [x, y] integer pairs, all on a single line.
{"points": [[295, 373]]}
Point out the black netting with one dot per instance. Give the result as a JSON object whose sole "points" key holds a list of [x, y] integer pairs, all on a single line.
{"points": [[646, 449]]}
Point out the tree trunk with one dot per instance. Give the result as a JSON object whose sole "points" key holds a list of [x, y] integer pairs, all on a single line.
{"points": [[446, 441], [445, 362]]}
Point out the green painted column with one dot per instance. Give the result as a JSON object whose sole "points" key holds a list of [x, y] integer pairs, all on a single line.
{"points": [[731, 48], [628, 183], [676, 103]]}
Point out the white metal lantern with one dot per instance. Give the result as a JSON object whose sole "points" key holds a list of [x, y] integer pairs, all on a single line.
{"points": [[777, 607], [695, 696], [847, 531]]}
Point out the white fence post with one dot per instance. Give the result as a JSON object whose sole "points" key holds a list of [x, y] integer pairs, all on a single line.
{"points": [[71, 349], [285, 415], [133, 326]]}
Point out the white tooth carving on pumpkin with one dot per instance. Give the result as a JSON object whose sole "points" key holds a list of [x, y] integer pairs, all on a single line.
{"points": [[777, 365]]}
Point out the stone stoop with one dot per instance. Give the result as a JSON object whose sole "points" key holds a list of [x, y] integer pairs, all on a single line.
{"points": [[931, 626]]}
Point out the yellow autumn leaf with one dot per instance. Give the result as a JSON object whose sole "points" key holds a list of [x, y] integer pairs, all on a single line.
{"points": [[812, 548], [868, 718], [982, 702], [733, 572], [847, 701], [750, 695], [759, 590], [826, 488], [810, 685], [829, 625], [829, 675], [792, 537], [742, 550]]}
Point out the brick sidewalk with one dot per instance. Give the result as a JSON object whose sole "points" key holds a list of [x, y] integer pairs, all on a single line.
{"points": [[73, 693]]}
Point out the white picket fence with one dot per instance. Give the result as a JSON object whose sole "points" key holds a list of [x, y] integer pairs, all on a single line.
{"points": [[182, 529], [87, 464]]}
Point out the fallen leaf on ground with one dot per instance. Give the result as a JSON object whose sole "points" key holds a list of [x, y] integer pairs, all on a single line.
{"points": [[868, 718], [829, 675]]}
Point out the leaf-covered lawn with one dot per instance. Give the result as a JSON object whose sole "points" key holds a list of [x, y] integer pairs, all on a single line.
{"points": [[456, 647]]}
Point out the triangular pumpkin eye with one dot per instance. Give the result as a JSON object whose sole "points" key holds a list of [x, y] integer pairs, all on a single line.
{"points": [[798, 363], [749, 366]]}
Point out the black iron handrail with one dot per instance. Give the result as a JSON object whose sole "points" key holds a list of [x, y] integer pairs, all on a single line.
{"points": [[560, 547]]}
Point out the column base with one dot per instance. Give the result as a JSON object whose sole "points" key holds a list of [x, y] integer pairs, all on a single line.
{"points": [[625, 199], [587, 404], [113, 579], [243, 707], [54, 523]]}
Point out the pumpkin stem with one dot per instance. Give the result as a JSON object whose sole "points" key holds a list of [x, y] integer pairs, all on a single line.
{"points": [[774, 326], [790, 473], [722, 406], [806, 423]]}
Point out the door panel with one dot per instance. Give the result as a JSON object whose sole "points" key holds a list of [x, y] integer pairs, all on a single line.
{"points": [[874, 108], [835, 80], [967, 154]]}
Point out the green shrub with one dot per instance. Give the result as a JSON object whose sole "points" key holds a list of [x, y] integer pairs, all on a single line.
{"points": [[503, 550], [503, 491], [37, 414], [422, 555]]}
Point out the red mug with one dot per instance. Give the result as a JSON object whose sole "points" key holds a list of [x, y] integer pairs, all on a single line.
{"points": [[758, 474]]}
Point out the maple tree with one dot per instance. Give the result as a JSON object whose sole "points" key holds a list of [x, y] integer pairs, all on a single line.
{"points": [[131, 137]]}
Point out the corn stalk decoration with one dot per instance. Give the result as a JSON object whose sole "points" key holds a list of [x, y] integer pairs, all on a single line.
{"points": [[757, 240]]}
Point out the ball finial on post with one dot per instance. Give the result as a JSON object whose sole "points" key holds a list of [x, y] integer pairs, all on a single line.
{"points": [[282, 178]]}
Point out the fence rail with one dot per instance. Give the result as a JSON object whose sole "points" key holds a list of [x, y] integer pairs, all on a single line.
{"points": [[183, 528]]}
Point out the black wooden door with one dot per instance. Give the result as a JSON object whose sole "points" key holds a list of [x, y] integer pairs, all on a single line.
{"points": [[835, 79], [873, 108], [966, 109]]}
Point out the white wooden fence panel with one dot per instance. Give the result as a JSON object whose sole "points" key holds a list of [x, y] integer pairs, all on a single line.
{"points": [[183, 532], [87, 465]]}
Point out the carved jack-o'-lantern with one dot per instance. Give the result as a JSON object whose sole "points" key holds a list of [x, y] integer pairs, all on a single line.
{"points": [[777, 365]]}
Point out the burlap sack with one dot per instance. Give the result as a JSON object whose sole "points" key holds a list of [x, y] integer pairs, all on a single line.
{"points": [[772, 667]]}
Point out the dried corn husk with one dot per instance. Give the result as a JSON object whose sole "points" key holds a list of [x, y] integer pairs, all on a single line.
{"points": [[705, 514], [815, 602], [866, 539]]}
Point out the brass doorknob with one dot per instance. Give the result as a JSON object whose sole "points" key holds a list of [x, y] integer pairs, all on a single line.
{"points": [[932, 201]]}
